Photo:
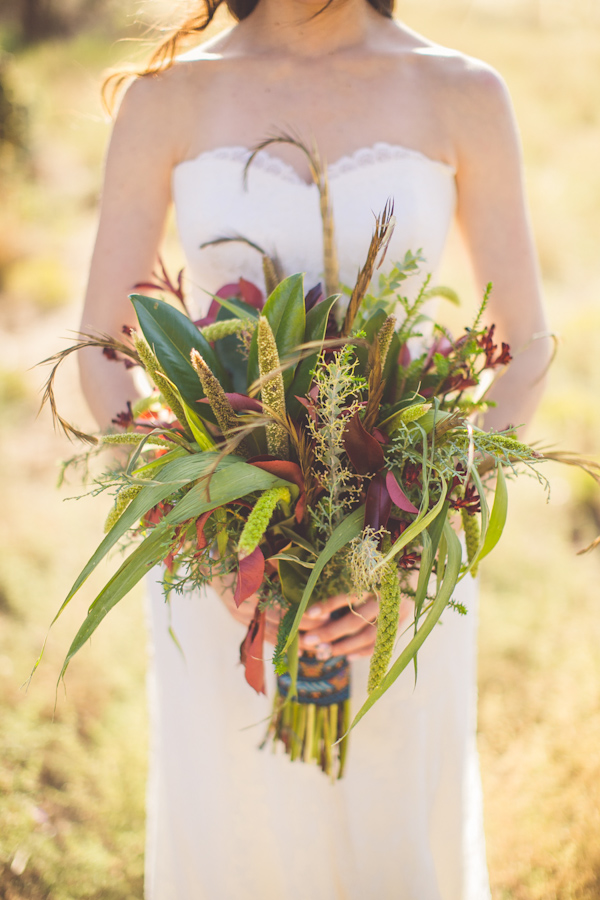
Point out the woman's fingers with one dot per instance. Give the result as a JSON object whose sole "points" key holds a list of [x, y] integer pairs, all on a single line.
{"points": [[325, 607], [335, 629], [359, 644]]}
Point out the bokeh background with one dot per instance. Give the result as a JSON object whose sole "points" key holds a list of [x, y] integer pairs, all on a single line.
{"points": [[73, 760]]}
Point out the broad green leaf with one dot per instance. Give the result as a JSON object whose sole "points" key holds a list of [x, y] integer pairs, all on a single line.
{"points": [[236, 480], [172, 336], [233, 480], [293, 580], [349, 528], [316, 323], [228, 349], [498, 515], [439, 604], [137, 564], [286, 314], [201, 435], [174, 475], [152, 467]]}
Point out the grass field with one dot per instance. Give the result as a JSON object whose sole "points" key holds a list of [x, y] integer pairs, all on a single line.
{"points": [[72, 767]]}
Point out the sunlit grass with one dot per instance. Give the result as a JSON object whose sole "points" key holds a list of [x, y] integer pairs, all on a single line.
{"points": [[72, 781]]}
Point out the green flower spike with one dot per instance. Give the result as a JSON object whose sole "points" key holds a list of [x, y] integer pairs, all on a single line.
{"points": [[472, 534], [124, 498], [272, 389], [218, 330], [224, 413], [158, 376], [387, 622], [133, 438], [259, 518], [412, 413], [385, 335]]}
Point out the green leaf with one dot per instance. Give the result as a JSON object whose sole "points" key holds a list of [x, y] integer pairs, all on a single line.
{"points": [[422, 521], [228, 349], [201, 435], [228, 483], [172, 336], [293, 581], [316, 324], [497, 517], [349, 528], [439, 604], [175, 474], [237, 307], [286, 314], [137, 564], [152, 467], [233, 479]]}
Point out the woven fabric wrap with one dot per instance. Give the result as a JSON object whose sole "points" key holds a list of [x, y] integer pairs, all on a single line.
{"points": [[322, 682]]}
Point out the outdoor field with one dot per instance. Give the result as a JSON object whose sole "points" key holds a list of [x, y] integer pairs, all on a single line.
{"points": [[73, 759]]}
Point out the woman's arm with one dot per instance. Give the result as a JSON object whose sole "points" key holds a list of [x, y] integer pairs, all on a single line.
{"points": [[135, 200], [493, 217]]}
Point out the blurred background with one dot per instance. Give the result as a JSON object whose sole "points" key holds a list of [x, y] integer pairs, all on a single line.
{"points": [[73, 759]]}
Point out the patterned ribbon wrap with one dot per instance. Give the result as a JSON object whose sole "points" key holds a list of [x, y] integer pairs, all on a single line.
{"points": [[321, 682]]}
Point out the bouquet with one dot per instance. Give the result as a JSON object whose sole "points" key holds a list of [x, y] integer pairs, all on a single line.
{"points": [[303, 446]]}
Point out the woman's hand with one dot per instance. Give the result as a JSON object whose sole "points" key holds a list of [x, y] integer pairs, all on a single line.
{"points": [[352, 634]]}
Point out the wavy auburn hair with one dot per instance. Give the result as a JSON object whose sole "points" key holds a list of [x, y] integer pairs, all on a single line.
{"points": [[165, 53]]}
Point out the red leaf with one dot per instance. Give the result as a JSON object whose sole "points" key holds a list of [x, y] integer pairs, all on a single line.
{"points": [[250, 576], [398, 496], [363, 449], [290, 471], [235, 290], [250, 294], [251, 652], [378, 505], [200, 523]]}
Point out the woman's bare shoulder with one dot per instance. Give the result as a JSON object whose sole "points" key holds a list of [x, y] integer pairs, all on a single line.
{"points": [[156, 107]]}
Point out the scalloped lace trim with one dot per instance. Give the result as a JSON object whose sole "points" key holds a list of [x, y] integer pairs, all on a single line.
{"points": [[359, 159]]}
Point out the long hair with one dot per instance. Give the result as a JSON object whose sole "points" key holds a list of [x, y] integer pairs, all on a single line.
{"points": [[168, 49]]}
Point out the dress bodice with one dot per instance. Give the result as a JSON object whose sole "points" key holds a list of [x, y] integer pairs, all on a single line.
{"points": [[280, 212]]}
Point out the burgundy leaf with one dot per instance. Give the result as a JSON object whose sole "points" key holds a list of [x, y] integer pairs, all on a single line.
{"points": [[398, 496], [250, 576], [242, 403], [314, 296], [251, 652], [380, 436], [363, 449], [404, 358], [440, 345], [309, 405], [378, 505]]}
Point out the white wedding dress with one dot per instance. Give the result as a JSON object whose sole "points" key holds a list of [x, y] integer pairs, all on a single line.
{"points": [[227, 821]]}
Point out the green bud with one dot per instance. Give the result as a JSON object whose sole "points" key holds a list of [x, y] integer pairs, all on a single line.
{"points": [[259, 518]]}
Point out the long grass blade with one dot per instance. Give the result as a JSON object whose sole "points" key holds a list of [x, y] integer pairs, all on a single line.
{"points": [[444, 594]]}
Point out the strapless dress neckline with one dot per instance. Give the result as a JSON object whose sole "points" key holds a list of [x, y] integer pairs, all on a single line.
{"points": [[357, 160]]}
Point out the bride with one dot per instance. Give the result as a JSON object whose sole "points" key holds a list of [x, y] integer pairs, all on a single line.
{"points": [[394, 115]]}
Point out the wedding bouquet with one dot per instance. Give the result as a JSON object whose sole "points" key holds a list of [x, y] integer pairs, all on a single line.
{"points": [[304, 447]]}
